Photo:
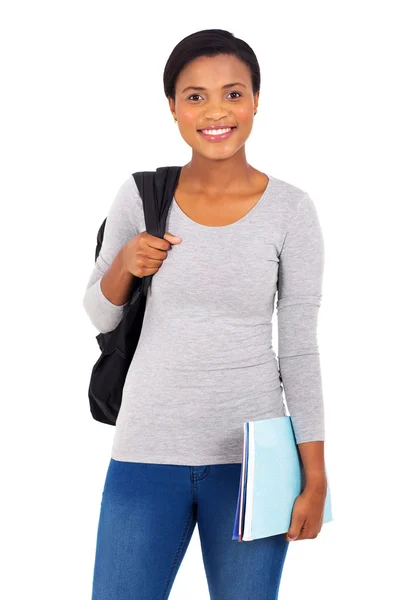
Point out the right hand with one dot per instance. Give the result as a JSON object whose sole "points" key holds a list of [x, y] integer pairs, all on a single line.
{"points": [[144, 253]]}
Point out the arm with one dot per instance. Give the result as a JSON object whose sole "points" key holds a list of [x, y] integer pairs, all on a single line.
{"points": [[116, 283], [301, 265], [109, 284]]}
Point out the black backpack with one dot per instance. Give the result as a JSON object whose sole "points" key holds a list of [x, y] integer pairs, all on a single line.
{"points": [[117, 347]]}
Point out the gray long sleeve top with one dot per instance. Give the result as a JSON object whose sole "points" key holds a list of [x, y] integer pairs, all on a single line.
{"points": [[205, 362]]}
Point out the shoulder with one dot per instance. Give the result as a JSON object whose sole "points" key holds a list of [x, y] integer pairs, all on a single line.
{"points": [[287, 195], [128, 193], [128, 204], [290, 200]]}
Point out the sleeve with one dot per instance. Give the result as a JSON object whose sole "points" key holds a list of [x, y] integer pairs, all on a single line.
{"points": [[121, 225], [300, 276]]}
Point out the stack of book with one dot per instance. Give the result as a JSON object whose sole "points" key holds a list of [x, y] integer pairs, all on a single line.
{"points": [[271, 478]]}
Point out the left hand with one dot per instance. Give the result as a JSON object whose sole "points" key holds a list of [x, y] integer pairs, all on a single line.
{"points": [[307, 515]]}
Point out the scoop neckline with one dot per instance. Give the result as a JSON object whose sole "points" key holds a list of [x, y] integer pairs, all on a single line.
{"points": [[253, 209]]}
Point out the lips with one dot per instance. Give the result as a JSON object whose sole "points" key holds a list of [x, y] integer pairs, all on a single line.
{"points": [[217, 137], [218, 127]]}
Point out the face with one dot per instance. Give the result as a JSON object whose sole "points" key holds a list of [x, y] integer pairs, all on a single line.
{"points": [[217, 103]]}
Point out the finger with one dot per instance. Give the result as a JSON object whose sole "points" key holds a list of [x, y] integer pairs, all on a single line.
{"points": [[303, 534], [153, 262], [173, 238], [153, 241], [295, 528]]}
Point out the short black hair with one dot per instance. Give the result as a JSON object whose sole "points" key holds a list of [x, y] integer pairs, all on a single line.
{"points": [[208, 42]]}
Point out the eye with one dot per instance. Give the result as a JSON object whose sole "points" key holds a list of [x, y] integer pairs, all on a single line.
{"points": [[198, 95]]}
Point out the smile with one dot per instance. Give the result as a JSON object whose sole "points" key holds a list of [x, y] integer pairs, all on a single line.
{"points": [[216, 135]]}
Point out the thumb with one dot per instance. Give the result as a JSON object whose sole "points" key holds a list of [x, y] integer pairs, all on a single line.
{"points": [[294, 529], [174, 239]]}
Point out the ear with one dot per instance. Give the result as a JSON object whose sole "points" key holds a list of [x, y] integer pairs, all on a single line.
{"points": [[256, 98], [171, 103]]}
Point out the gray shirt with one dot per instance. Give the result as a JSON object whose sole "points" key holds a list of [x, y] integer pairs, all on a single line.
{"points": [[205, 362]]}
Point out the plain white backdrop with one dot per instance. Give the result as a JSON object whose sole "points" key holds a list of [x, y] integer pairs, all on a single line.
{"points": [[82, 108]]}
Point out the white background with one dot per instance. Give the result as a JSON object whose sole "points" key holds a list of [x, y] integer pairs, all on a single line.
{"points": [[83, 107]]}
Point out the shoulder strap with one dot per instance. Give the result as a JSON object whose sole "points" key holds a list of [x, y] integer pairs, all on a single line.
{"points": [[99, 241], [156, 189]]}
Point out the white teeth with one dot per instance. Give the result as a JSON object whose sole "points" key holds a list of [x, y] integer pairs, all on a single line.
{"points": [[216, 131]]}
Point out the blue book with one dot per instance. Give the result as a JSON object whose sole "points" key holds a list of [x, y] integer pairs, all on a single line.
{"points": [[272, 477], [238, 525]]}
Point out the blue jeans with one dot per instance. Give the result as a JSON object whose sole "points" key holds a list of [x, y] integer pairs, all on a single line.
{"points": [[147, 517]]}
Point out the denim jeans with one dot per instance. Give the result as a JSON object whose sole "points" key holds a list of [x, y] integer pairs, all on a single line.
{"points": [[147, 517]]}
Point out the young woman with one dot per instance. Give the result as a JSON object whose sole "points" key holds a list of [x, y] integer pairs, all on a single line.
{"points": [[205, 363]]}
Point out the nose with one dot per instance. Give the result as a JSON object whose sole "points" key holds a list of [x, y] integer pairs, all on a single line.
{"points": [[215, 111], [214, 114]]}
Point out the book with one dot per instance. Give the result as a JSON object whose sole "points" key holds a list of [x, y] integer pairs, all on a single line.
{"points": [[271, 478]]}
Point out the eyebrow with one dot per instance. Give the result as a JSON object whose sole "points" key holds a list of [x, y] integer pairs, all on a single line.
{"points": [[203, 89]]}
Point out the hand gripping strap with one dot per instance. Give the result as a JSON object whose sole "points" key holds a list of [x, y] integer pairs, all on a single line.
{"points": [[156, 189]]}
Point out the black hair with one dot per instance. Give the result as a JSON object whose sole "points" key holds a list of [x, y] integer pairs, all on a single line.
{"points": [[208, 42]]}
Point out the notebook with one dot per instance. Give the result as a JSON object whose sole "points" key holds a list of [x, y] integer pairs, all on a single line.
{"points": [[271, 478]]}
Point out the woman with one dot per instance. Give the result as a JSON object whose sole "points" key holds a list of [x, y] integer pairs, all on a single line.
{"points": [[205, 362]]}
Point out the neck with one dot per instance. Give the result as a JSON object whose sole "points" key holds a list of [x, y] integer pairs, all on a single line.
{"points": [[214, 177]]}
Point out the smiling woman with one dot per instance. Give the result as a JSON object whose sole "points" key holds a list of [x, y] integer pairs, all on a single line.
{"points": [[214, 90], [205, 363]]}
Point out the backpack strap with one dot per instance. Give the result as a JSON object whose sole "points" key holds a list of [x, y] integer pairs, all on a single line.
{"points": [[156, 189], [100, 235]]}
